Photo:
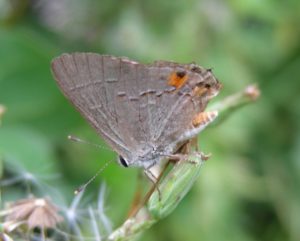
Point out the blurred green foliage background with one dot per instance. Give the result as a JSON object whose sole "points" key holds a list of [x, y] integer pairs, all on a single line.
{"points": [[248, 190]]}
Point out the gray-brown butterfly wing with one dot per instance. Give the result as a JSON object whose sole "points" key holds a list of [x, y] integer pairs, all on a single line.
{"points": [[89, 81], [131, 105]]}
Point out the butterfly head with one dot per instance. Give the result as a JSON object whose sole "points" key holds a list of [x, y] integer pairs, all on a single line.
{"points": [[145, 158]]}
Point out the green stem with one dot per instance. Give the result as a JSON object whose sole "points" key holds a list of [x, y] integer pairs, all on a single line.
{"points": [[230, 104]]}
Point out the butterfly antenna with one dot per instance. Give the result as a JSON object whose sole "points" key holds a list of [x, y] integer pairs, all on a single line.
{"points": [[76, 139], [82, 187]]}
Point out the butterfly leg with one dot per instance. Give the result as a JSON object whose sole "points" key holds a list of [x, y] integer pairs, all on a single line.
{"points": [[190, 147], [134, 211], [178, 157], [150, 175]]}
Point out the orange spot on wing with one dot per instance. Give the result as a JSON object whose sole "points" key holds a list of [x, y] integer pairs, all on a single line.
{"points": [[177, 79], [204, 118]]}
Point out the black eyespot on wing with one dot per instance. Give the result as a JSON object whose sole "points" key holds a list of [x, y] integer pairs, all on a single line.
{"points": [[123, 161], [180, 74], [207, 86], [196, 69]]}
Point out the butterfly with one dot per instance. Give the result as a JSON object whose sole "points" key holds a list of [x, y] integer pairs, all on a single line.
{"points": [[145, 112]]}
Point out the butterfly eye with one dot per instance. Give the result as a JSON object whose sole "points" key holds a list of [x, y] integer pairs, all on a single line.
{"points": [[207, 86], [123, 162]]}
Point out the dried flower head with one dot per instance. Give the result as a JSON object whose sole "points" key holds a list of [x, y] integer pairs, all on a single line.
{"points": [[253, 92], [35, 212]]}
